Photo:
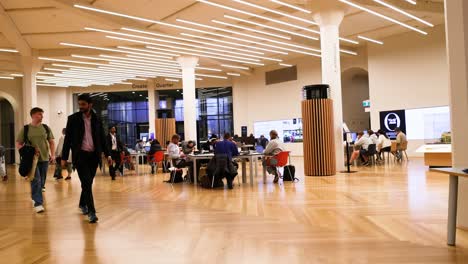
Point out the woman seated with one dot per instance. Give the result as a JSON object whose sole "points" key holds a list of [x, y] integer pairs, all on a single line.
{"points": [[154, 147], [384, 143]]}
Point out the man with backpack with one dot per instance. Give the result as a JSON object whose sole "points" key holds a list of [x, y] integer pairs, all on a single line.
{"points": [[40, 137]]}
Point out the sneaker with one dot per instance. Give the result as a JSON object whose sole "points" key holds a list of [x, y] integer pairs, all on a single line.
{"points": [[84, 210], [68, 178], [113, 178], [33, 202], [5, 178], [39, 209], [43, 189], [229, 183], [276, 178], [92, 218], [59, 178]]}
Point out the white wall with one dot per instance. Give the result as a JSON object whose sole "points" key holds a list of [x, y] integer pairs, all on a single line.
{"points": [[53, 100], [409, 71]]}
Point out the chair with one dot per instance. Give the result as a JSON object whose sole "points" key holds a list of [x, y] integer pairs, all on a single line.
{"points": [[371, 152], [403, 148], [125, 160], [156, 158], [282, 159], [393, 150]]}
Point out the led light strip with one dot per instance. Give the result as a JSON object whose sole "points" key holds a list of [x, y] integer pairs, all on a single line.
{"points": [[349, 52], [106, 58], [7, 77], [259, 16], [208, 69], [117, 50], [191, 40], [269, 27], [9, 50], [233, 74], [275, 11], [286, 65], [211, 76], [411, 1], [404, 12], [233, 43], [382, 16], [17, 75], [172, 80], [251, 29], [371, 40], [247, 35], [292, 6], [139, 73], [131, 58], [181, 48], [179, 43], [234, 66]]}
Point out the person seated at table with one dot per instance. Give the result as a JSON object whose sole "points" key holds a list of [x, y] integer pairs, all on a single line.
{"points": [[188, 147], [400, 140], [274, 147], [155, 147], [384, 144], [373, 137], [227, 149], [262, 141], [360, 148], [140, 146], [173, 151]]}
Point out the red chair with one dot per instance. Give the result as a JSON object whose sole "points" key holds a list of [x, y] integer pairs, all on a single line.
{"points": [[125, 160], [156, 158], [280, 160]]}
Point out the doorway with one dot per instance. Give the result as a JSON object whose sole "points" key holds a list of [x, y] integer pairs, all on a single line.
{"points": [[355, 90], [7, 130]]}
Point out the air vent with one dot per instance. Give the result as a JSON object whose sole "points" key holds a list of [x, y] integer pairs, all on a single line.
{"points": [[281, 75]]}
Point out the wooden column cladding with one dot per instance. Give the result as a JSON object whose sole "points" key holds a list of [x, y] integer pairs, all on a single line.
{"points": [[319, 146], [165, 128]]}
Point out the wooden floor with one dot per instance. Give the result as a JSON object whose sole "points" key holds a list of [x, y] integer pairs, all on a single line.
{"points": [[386, 214]]}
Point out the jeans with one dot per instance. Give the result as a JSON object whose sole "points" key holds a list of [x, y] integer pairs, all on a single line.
{"points": [[86, 166], [39, 182]]}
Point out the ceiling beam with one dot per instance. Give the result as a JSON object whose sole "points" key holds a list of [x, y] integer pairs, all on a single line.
{"points": [[12, 33]]}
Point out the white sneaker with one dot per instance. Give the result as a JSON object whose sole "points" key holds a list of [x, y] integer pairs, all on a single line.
{"points": [[39, 209], [33, 202], [43, 189]]}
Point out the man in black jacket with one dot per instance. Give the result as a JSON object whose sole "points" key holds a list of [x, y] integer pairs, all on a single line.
{"points": [[116, 148], [86, 138]]}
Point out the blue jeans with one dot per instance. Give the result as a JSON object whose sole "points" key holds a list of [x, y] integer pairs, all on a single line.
{"points": [[39, 182]]}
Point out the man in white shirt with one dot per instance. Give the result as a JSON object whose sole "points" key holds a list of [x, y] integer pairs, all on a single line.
{"points": [[116, 149], [173, 150], [360, 148], [274, 147]]}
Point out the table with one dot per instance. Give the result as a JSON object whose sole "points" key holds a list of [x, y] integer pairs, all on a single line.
{"points": [[453, 197], [137, 157], [436, 155], [251, 157], [195, 158]]}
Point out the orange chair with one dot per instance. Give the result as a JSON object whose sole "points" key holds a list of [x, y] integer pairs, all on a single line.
{"points": [[280, 160], [125, 160], [156, 158]]}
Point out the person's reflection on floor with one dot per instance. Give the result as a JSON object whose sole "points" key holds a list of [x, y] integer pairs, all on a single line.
{"points": [[89, 248]]}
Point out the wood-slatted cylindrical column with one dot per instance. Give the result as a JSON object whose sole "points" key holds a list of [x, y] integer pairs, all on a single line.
{"points": [[165, 128], [319, 146]]}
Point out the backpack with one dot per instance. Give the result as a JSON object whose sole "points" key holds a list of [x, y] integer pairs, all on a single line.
{"points": [[289, 172], [176, 177], [27, 152]]}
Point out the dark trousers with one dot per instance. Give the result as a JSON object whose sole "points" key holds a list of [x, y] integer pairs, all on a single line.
{"points": [[86, 166], [116, 163]]}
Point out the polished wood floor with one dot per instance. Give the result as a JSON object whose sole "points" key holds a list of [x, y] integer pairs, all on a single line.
{"points": [[385, 214]]}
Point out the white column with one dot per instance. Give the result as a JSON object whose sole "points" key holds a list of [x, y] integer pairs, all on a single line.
{"points": [[188, 64], [151, 107], [31, 67], [456, 15], [329, 22]]}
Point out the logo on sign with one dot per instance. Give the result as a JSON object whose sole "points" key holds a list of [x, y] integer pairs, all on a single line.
{"points": [[392, 121]]}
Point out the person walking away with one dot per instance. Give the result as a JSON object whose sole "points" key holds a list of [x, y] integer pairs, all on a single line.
{"points": [[273, 148], [41, 138], [116, 148], [86, 139], [58, 155]]}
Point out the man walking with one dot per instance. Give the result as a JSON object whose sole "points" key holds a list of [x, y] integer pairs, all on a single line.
{"points": [[41, 138], [86, 138], [116, 150]]}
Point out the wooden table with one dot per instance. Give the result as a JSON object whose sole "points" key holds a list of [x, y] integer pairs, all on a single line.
{"points": [[453, 197]]}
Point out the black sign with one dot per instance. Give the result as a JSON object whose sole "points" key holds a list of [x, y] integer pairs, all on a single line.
{"points": [[390, 120], [244, 131]]}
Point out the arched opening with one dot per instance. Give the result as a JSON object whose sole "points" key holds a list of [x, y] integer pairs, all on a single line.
{"points": [[355, 90], [7, 130]]}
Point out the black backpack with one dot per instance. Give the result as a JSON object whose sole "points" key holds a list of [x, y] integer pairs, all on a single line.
{"points": [[176, 177], [289, 172], [27, 152]]}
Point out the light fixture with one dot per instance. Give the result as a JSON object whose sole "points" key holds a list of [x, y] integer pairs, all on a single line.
{"points": [[199, 79], [211, 76], [258, 16], [371, 40], [292, 6], [286, 65], [404, 12], [123, 61], [235, 67], [233, 74], [247, 35], [411, 1], [9, 50], [209, 69], [17, 75], [171, 80], [191, 40], [233, 43], [139, 59], [382, 16], [269, 27], [276, 12], [250, 29], [7, 78], [116, 50], [349, 41], [349, 52], [138, 72]]}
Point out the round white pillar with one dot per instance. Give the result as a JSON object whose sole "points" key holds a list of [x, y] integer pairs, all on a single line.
{"points": [[31, 67], [151, 107], [188, 64], [329, 21]]}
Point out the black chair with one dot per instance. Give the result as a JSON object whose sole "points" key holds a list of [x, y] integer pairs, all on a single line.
{"points": [[222, 168], [371, 152]]}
